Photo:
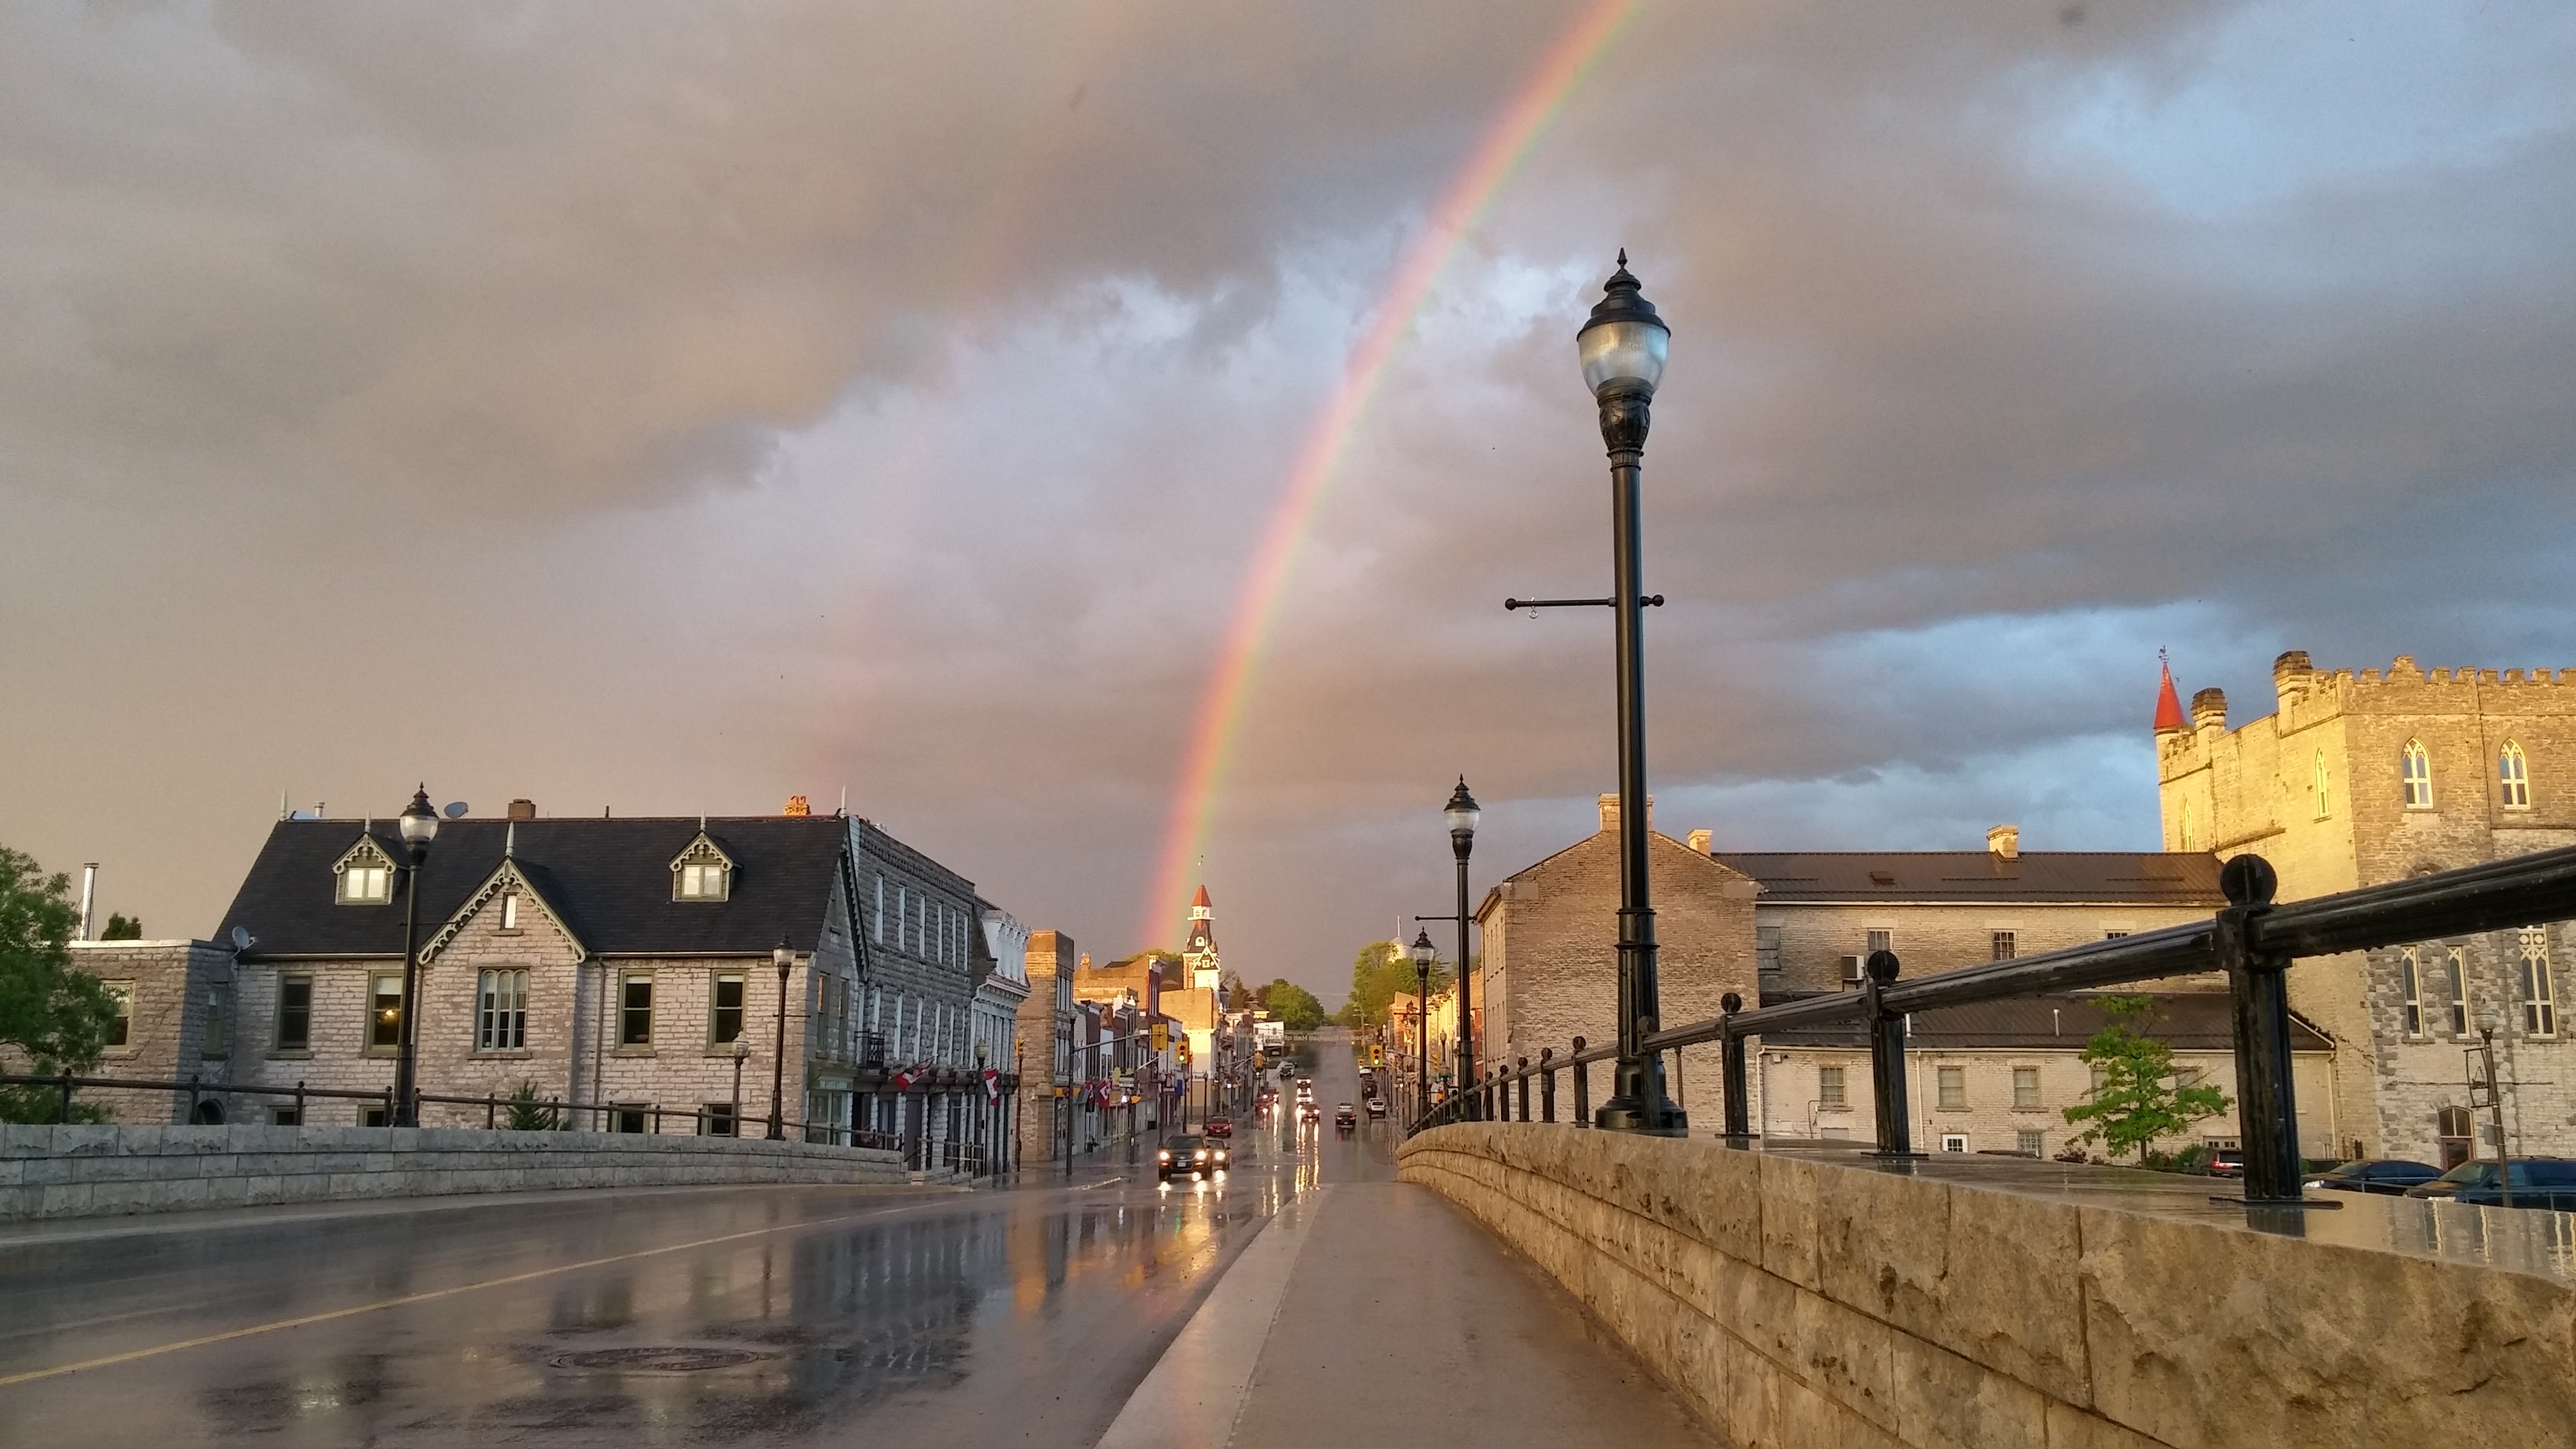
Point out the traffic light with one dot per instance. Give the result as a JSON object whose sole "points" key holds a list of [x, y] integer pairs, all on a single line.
{"points": [[1161, 1032]]}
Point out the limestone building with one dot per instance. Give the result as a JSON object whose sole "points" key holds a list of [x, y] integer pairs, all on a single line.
{"points": [[2366, 778]]}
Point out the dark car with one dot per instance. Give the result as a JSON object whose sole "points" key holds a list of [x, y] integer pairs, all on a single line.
{"points": [[2388, 1176], [1218, 1127], [1195, 1155], [1344, 1119], [2537, 1182]]}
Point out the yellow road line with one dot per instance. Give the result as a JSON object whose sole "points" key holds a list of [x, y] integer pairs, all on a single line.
{"points": [[131, 1355]]}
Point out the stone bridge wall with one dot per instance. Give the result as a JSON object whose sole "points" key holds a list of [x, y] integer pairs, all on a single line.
{"points": [[86, 1171], [1800, 1299]]}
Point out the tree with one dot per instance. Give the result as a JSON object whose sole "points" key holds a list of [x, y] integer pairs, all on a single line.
{"points": [[1380, 973], [1293, 1006], [122, 928], [2137, 1101], [55, 1017]]}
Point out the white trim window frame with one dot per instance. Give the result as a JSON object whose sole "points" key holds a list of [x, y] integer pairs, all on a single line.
{"points": [[2456, 977], [2539, 992], [2513, 777], [2410, 987], [501, 1010], [2415, 773]]}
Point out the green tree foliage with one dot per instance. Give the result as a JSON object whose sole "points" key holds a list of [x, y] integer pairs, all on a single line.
{"points": [[528, 1112], [2138, 1100], [53, 1018], [1294, 1006], [1379, 974], [122, 928]]}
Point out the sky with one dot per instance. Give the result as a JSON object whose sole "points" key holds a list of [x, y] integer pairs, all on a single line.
{"points": [[670, 408]]}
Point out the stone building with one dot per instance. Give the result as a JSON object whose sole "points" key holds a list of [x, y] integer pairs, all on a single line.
{"points": [[1043, 1050], [626, 963], [1549, 967], [2363, 779]]}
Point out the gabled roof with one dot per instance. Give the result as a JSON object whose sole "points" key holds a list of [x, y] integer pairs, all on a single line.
{"points": [[608, 881], [2191, 1021], [2053, 877]]}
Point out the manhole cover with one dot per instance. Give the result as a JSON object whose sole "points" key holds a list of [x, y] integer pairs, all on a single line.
{"points": [[666, 1359]]}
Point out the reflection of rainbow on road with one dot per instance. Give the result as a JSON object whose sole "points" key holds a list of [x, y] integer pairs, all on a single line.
{"points": [[1220, 710]]}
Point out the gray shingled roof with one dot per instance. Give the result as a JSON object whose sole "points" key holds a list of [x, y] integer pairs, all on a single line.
{"points": [[2185, 1020], [2152, 877], [609, 879]]}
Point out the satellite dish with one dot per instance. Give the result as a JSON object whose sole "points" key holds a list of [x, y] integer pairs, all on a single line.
{"points": [[455, 810], [241, 940]]}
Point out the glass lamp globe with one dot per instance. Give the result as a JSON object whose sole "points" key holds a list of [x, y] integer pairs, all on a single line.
{"points": [[1622, 346]]}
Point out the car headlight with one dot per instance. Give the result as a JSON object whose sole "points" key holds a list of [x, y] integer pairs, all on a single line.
{"points": [[1165, 1156], [1203, 1155]]}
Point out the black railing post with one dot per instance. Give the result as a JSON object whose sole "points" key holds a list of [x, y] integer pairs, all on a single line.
{"points": [[491, 1111], [1739, 1109], [1887, 1058], [1524, 1075], [1546, 1084], [299, 1101], [192, 1097], [1582, 1087], [389, 1106], [66, 1115], [2267, 1118]]}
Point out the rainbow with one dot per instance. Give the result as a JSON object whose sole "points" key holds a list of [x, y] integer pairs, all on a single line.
{"points": [[1220, 710]]}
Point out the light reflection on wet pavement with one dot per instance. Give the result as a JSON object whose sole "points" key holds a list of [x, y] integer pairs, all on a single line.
{"points": [[767, 1315]]}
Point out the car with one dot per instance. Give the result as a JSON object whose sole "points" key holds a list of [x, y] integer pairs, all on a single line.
{"points": [[1182, 1153], [1377, 1106], [1307, 1111], [1218, 1127], [1344, 1119], [2537, 1182], [1287, 1070], [2226, 1162], [2387, 1176]]}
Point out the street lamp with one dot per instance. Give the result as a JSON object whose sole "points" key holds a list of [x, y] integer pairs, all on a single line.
{"points": [[785, 961], [1423, 954], [741, 1054], [1622, 349], [419, 826], [2491, 1021], [1463, 815]]}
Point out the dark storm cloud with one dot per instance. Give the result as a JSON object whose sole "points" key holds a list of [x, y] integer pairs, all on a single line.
{"points": [[673, 407]]}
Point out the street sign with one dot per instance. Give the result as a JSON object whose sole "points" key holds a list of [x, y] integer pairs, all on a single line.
{"points": [[1161, 1035]]}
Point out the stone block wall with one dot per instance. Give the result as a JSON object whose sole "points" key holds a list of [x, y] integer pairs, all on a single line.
{"points": [[66, 1172], [1798, 1300]]}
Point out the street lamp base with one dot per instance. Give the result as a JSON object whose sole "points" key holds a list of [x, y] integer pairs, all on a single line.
{"points": [[1628, 1114]]}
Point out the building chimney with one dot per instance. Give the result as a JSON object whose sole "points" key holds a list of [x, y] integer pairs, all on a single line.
{"points": [[2005, 842], [2209, 709], [1699, 842], [89, 898], [1610, 812], [523, 810], [2290, 677]]}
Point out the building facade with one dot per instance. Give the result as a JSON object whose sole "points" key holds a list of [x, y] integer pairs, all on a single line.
{"points": [[2367, 778]]}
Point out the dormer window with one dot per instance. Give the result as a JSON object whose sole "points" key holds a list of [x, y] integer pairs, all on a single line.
{"points": [[366, 876], [702, 873]]}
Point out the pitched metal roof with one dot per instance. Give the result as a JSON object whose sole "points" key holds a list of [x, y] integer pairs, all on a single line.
{"points": [[2149, 877], [609, 879], [2192, 1021]]}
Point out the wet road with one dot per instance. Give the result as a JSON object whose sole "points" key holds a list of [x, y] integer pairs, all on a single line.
{"points": [[1022, 1316]]}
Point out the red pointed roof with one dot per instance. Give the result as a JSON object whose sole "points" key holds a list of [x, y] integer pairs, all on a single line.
{"points": [[1202, 900], [2168, 704]]}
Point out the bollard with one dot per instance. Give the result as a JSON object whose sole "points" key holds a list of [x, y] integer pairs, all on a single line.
{"points": [[1739, 1109], [1524, 1089], [1582, 1087], [1546, 1085], [1887, 1059], [2267, 1121]]}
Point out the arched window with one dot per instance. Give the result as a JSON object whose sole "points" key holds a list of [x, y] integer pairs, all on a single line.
{"points": [[2186, 824], [2417, 768], [2322, 798], [2410, 981], [2513, 774]]}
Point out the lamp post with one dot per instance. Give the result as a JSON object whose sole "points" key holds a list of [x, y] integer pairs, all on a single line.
{"points": [[1423, 952], [785, 961], [2489, 1022], [1463, 815], [1622, 349], [741, 1054], [419, 826]]}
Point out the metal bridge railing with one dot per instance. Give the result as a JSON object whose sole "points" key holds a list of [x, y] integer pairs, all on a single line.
{"points": [[2252, 940]]}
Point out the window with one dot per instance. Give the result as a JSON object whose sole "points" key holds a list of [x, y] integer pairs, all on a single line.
{"points": [[2539, 996], [725, 1024], [384, 1012], [1829, 1088], [2455, 975], [1766, 950], [373, 1117], [2410, 987], [2030, 1144], [716, 1119], [635, 1012], [702, 880], [2416, 768], [501, 1018], [1954, 1141], [2025, 1089], [880, 925], [509, 910], [2114, 935], [2002, 944], [2323, 806], [366, 876], [2513, 777], [628, 1117], [2186, 825], [2101, 1078], [294, 1013], [1951, 1088], [219, 1027], [285, 1116], [121, 1030], [1873, 942]]}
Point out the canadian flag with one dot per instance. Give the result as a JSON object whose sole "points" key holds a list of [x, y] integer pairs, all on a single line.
{"points": [[992, 1085], [904, 1079]]}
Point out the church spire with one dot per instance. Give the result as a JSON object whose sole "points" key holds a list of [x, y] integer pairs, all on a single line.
{"points": [[2168, 704]]}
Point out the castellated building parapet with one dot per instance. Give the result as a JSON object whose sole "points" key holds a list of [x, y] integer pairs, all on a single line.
{"points": [[2365, 777]]}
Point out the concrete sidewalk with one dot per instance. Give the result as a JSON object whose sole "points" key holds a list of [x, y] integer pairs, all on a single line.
{"points": [[1377, 1313]]}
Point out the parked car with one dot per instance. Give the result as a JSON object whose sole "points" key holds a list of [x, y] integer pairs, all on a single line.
{"points": [[1193, 1155], [2387, 1176], [2537, 1182], [2226, 1162], [1377, 1106], [1218, 1127]]}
